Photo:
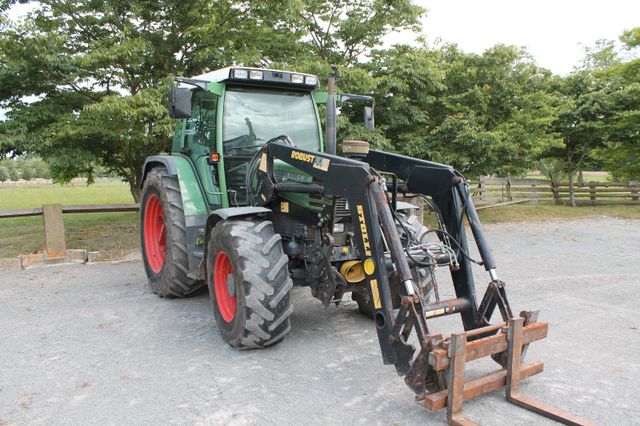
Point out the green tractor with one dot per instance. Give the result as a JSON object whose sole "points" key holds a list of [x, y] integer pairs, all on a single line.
{"points": [[201, 221], [253, 200]]}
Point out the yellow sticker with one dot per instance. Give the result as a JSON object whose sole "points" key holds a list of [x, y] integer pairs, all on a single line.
{"points": [[369, 266], [376, 294], [363, 230], [302, 156], [436, 312], [284, 207], [345, 249]]}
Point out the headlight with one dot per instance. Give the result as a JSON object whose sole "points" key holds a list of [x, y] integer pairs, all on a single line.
{"points": [[311, 80], [338, 228], [297, 78], [255, 75], [240, 73]]}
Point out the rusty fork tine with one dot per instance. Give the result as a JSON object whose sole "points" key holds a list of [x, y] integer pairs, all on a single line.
{"points": [[513, 381], [455, 397]]}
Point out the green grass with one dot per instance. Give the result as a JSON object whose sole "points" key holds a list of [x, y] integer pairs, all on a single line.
{"points": [[588, 176], [91, 231], [541, 212], [96, 231], [110, 192]]}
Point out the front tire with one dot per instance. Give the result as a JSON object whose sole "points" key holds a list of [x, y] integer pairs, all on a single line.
{"points": [[249, 283], [163, 236]]}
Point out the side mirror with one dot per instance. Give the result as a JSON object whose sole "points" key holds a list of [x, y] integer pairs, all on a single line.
{"points": [[369, 122], [179, 102]]}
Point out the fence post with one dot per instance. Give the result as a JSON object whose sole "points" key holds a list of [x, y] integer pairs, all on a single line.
{"points": [[481, 188], [633, 186], [54, 242], [509, 195], [592, 192], [555, 188]]}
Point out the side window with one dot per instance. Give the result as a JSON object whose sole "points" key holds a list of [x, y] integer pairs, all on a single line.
{"points": [[200, 129]]}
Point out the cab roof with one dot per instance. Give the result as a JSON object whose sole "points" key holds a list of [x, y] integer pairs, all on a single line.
{"points": [[259, 77]]}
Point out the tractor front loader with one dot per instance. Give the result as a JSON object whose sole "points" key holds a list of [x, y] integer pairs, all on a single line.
{"points": [[253, 201]]}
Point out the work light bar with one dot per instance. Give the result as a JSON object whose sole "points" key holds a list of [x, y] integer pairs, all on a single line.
{"points": [[273, 77]]}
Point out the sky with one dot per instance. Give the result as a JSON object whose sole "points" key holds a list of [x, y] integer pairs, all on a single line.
{"points": [[554, 32]]}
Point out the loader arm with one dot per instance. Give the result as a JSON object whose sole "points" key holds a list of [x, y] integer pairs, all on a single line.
{"points": [[450, 193]]}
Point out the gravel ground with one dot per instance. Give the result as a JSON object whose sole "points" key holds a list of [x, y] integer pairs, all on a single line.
{"points": [[90, 344]]}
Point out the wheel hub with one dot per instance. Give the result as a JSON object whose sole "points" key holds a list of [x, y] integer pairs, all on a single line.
{"points": [[231, 288]]}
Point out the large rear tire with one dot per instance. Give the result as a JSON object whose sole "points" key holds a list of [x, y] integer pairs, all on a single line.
{"points": [[249, 283], [163, 236]]}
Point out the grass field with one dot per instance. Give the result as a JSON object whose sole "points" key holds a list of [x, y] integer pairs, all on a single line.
{"points": [[587, 176], [95, 231], [102, 231]]}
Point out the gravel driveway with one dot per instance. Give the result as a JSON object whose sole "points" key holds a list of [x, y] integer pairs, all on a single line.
{"points": [[87, 344]]}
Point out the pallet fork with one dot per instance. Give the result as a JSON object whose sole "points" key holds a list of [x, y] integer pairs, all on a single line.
{"points": [[513, 339]]}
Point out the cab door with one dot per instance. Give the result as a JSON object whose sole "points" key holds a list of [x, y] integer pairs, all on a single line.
{"points": [[200, 141]]}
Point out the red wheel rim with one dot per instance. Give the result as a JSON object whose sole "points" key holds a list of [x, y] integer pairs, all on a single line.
{"points": [[222, 271], [154, 236]]}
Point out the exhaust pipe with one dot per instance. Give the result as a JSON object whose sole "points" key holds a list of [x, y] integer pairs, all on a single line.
{"points": [[330, 139]]}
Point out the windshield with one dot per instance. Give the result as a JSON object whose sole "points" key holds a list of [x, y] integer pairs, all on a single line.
{"points": [[253, 116]]}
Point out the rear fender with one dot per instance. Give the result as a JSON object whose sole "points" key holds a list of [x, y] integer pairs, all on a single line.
{"points": [[193, 201], [194, 204]]}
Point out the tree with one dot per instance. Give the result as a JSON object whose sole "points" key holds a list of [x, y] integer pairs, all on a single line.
{"points": [[4, 174], [27, 173], [621, 154], [583, 110], [484, 114], [99, 72], [14, 173], [600, 57], [341, 31]]}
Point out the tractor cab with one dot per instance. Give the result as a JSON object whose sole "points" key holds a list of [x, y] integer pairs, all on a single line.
{"points": [[226, 116]]}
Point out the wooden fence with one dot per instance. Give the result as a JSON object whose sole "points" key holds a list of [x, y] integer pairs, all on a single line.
{"points": [[501, 190], [54, 234]]}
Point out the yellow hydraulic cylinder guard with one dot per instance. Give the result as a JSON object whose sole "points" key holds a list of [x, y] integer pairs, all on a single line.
{"points": [[352, 271]]}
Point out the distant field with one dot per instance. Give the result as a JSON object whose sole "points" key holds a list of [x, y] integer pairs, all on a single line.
{"points": [[111, 192], [95, 231], [588, 176], [542, 212]]}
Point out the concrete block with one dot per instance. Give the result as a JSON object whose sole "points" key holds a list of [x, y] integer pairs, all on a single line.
{"points": [[113, 255], [99, 256], [33, 259], [10, 264], [65, 260], [134, 254], [77, 255]]}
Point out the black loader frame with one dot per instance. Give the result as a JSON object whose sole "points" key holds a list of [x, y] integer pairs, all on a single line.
{"points": [[436, 373]]}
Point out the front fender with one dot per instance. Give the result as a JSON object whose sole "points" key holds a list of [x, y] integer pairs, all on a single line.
{"points": [[233, 212]]}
